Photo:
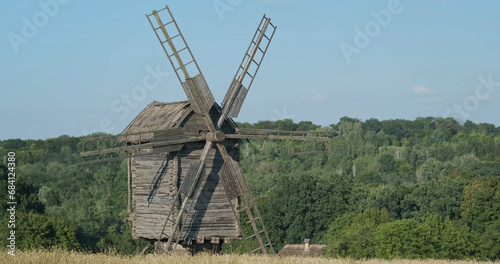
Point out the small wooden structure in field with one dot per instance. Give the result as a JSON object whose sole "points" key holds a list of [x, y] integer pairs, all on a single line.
{"points": [[305, 250]]}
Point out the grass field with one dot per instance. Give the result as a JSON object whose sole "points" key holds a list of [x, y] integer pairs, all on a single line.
{"points": [[59, 256]]}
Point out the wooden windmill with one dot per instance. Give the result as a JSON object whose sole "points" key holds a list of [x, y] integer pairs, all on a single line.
{"points": [[185, 183]]}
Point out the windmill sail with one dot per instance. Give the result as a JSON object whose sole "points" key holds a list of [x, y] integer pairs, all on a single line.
{"points": [[180, 56], [249, 66]]}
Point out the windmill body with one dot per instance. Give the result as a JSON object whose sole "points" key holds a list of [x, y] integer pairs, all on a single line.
{"points": [[156, 178]]}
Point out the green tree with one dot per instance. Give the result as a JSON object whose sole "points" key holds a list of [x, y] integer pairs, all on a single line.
{"points": [[429, 171], [397, 239], [372, 124], [398, 128], [387, 162], [433, 237], [481, 203], [352, 236], [489, 241], [385, 197], [303, 205], [441, 198], [36, 230]]}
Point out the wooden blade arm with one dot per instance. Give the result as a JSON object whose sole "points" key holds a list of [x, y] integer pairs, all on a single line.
{"points": [[154, 139], [235, 90], [280, 134], [194, 85]]}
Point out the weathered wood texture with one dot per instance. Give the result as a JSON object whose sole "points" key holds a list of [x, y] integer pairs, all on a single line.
{"points": [[239, 98], [156, 116], [199, 94], [156, 179]]}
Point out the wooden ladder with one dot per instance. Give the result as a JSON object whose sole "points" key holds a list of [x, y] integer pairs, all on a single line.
{"points": [[236, 186]]}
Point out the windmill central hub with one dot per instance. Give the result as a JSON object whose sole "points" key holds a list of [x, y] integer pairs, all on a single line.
{"points": [[217, 136]]}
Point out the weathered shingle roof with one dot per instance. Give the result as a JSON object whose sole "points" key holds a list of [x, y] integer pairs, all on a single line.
{"points": [[300, 250], [156, 116]]}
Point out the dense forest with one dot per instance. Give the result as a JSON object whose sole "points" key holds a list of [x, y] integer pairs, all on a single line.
{"points": [[427, 188]]}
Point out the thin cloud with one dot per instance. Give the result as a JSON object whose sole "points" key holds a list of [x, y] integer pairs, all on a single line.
{"points": [[421, 90]]}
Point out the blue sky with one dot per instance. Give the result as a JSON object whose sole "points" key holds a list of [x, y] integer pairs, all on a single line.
{"points": [[67, 66]]}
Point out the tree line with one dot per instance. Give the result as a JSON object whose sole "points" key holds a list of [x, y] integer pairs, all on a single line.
{"points": [[427, 188]]}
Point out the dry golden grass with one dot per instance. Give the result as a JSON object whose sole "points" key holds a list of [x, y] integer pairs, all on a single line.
{"points": [[59, 256]]}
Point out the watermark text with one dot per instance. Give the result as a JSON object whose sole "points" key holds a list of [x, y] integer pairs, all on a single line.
{"points": [[363, 37], [224, 6], [31, 26], [483, 91], [11, 203]]}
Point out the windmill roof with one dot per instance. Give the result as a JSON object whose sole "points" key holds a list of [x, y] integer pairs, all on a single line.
{"points": [[156, 116]]}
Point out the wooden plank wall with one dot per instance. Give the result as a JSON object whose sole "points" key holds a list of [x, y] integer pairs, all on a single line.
{"points": [[150, 174], [212, 216]]}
